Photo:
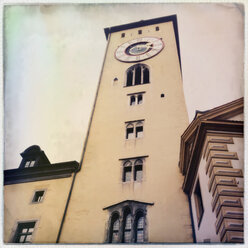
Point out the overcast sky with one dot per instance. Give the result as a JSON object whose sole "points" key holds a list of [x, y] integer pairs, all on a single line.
{"points": [[53, 57]]}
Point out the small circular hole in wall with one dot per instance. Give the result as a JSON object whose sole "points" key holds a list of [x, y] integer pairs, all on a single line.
{"points": [[115, 79], [162, 95]]}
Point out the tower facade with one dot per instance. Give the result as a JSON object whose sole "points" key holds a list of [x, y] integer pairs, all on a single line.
{"points": [[129, 188]]}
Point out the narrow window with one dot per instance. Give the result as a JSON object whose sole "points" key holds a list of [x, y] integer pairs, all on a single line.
{"points": [[122, 35], [146, 76], [138, 170], [139, 230], [140, 32], [127, 173], [157, 28], [140, 99], [198, 202], [127, 227], [24, 232], [137, 75], [132, 100], [139, 130], [38, 196], [129, 131], [162, 95], [114, 229], [130, 78]]}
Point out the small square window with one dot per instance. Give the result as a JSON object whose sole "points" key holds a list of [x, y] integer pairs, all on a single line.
{"points": [[38, 196], [157, 28], [162, 95], [140, 32], [29, 163], [122, 35]]}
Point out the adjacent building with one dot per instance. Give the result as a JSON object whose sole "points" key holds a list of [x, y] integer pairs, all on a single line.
{"points": [[132, 186]]}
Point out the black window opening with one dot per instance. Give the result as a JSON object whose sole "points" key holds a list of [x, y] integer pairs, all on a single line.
{"points": [[157, 28], [38, 196], [122, 35], [129, 131], [127, 173], [139, 131], [140, 99], [132, 100], [198, 202], [140, 32], [24, 232], [137, 75], [114, 229]]}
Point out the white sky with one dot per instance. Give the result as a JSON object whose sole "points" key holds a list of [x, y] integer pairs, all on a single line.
{"points": [[54, 54]]}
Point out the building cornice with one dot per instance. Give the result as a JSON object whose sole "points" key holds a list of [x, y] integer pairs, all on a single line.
{"points": [[39, 173]]}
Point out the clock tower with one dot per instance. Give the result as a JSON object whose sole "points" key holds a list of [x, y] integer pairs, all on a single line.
{"points": [[129, 188]]}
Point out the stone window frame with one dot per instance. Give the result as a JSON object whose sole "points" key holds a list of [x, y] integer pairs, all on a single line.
{"points": [[122, 209], [132, 162], [131, 129], [138, 74], [133, 98], [33, 195]]}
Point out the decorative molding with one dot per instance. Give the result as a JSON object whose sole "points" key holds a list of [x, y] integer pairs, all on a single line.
{"points": [[233, 237], [228, 201], [215, 147], [220, 180], [217, 162], [226, 191], [228, 212], [231, 225]]}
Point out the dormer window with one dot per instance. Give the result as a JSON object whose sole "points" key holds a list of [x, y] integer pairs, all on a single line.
{"points": [[29, 163]]}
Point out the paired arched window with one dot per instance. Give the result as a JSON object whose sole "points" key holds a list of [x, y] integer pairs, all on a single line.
{"points": [[138, 74], [114, 228], [132, 170], [134, 129]]}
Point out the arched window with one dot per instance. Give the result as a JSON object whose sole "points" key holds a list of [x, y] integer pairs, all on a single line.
{"points": [[140, 99], [137, 74], [139, 130], [132, 100], [114, 229], [138, 170], [139, 227], [127, 226], [127, 171], [129, 131]]}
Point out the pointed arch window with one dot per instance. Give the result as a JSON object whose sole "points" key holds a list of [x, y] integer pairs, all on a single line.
{"points": [[138, 170], [114, 229], [127, 171], [139, 228], [138, 74], [127, 226]]}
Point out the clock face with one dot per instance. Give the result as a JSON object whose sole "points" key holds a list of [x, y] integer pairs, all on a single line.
{"points": [[139, 49]]}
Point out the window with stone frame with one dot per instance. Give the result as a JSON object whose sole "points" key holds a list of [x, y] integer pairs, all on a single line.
{"points": [[132, 169], [131, 218], [137, 74], [136, 98], [134, 129]]}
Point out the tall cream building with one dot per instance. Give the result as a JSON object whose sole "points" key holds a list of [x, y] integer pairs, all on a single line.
{"points": [[135, 183]]}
